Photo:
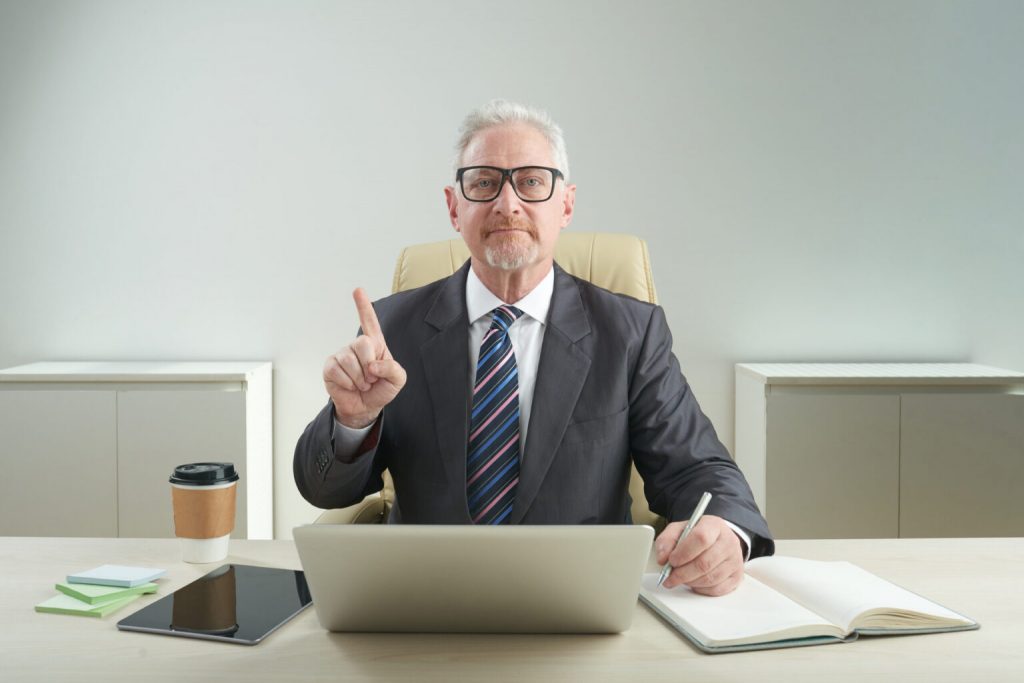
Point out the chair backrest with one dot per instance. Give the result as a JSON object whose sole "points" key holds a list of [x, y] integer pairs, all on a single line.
{"points": [[613, 261], [618, 263]]}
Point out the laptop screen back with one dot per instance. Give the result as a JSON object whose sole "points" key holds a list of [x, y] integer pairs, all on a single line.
{"points": [[495, 579]]}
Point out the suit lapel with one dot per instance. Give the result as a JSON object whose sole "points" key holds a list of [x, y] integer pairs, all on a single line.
{"points": [[445, 358], [561, 373]]}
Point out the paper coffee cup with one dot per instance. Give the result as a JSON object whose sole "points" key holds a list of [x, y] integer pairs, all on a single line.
{"points": [[203, 500]]}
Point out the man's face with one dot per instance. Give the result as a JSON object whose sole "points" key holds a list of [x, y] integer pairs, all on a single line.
{"points": [[508, 233]]}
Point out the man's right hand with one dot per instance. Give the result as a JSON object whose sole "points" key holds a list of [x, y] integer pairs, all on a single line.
{"points": [[362, 378]]}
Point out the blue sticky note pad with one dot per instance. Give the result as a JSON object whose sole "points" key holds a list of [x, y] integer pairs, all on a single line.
{"points": [[117, 575]]}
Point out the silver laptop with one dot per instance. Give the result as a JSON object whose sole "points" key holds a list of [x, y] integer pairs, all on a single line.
{"points": [[470, 579]]}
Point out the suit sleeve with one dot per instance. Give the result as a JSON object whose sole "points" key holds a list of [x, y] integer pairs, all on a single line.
{"points": [[676, 449], [328, 479]]}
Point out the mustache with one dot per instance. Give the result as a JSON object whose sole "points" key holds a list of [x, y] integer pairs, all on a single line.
{"points": [[510, 223]]}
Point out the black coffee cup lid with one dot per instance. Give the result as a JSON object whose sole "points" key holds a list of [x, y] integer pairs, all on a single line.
{"points": [[204, 473]]}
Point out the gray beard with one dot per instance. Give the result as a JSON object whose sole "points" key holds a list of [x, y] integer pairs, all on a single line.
{"points": [[510, 257]]}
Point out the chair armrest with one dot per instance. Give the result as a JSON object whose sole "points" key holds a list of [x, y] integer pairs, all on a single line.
{"points": [[370, 510]]}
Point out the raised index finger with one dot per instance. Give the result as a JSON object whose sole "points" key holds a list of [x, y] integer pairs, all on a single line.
{"points": [[367, 316]]}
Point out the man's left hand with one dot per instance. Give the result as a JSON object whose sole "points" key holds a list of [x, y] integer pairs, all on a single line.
{"points": [[709, 560]]}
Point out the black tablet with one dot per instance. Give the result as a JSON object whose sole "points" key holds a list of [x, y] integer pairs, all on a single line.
{"points": [[236, 603]]}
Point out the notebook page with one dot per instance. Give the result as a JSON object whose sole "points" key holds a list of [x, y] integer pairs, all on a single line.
{"points": [[749, 613], [839, 591]]}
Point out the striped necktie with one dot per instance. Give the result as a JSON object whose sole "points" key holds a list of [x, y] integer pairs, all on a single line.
{"points": [[492, 464]]}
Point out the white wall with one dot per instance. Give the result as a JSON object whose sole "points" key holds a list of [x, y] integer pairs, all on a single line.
{"points": [[209, 180]]}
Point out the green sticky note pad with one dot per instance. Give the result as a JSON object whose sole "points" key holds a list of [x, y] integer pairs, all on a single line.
{"points": [[99, 595], [65, 604]]}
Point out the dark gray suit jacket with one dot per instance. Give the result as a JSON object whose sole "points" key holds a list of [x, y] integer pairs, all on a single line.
{"points": [[608, 386]]}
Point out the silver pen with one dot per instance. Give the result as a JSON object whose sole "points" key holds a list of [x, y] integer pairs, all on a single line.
{"points": [[702, 505]]}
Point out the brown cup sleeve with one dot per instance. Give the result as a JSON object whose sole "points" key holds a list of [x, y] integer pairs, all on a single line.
{"points": [[202, 512]]}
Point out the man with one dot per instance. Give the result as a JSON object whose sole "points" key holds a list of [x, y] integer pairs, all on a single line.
{"points": [[512, 392]]}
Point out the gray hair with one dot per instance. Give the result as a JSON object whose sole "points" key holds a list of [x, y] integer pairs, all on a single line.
{"points": [[499, 112]]}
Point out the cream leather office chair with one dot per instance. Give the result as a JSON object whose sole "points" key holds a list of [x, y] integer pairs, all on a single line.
{"points": [[616, 262]]}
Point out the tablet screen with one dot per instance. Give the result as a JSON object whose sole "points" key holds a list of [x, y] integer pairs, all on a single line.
{"points": [[236, 603]]}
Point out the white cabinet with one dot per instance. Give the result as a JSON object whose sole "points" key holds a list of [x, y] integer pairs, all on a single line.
{"points": [[883, 450], [87, 448]]}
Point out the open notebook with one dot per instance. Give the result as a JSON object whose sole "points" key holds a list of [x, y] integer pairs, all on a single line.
{"points": [[788, 602]]}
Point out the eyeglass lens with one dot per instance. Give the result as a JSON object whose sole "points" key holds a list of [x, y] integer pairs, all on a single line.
{"points": [[531, 183]]}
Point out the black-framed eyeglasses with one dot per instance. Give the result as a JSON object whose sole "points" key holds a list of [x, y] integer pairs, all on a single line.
{"points": [[530, 183]]}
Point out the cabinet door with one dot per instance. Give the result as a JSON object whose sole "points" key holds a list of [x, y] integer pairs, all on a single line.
{"points": [[962, 465], [59, 454], [832, 465], [160, 429]]}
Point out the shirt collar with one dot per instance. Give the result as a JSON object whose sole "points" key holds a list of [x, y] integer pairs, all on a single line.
{"points": [[480, 301]]}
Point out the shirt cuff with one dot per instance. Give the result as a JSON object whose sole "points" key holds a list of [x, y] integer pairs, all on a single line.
{"points": [[348, 440], [743, 537]]}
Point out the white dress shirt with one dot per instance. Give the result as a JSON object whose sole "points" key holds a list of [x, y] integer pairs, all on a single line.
{"points": [[527, 336]]}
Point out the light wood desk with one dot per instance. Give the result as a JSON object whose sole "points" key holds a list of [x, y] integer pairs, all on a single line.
{"points": [[978, 577]]}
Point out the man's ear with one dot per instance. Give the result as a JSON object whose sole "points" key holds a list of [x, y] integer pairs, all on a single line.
{"points": [[453, 206], [568, 204]]}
